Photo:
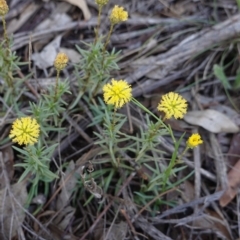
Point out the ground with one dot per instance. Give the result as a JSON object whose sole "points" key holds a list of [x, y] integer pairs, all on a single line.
{"points": [[118, 173]]}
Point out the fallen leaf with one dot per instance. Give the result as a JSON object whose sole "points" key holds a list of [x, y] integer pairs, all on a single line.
{"points": [[58, 20], [11, 209], [68, 183], [46, 58], [16, 23], [73, 55], [64, 217], [117, 231], [234, 151], [211, 120], [7, 156], [83, 6], [187, 191], [212, 220], [233, 185]]}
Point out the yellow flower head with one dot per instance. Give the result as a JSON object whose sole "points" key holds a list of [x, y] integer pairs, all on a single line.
{"points": [[25, 130], [194, 140], [60, 61], [101, 2], [173, 105], [118, 15], [3, 8], [117, 93]]}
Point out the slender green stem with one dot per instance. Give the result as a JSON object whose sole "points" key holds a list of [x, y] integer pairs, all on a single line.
{"points": [[135, 101], [182, 154], [98, 24], [108, 37], [9, 78], [114, 117], [5, 35], [56, 86], [103, 59]]}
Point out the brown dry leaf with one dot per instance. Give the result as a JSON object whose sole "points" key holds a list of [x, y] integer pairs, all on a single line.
{"points": [[58, 20], [211, 120], [114, 232], [182, 8], [16, 23], [233, 185], [83, 6], [11, 209], [68, 182], [64, 217], [187, 191], [212, 220], [7, 156], [46, 57], [234, 151], [73, 55]]}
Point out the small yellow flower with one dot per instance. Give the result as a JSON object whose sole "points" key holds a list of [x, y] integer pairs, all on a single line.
{"points": [[118, 15], [3, 8], [173, 105], [60, 61], [101, 2], [194, 140], [117, 93], [25, 130]]}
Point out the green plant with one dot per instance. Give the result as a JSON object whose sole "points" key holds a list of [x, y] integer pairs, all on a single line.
{"points": [[119, 148]]}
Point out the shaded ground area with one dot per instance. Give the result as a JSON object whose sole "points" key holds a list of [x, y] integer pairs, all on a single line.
{"points": [[189, 47]]}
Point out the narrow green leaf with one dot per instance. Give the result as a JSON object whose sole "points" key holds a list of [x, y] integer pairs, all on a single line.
{"points": [[219, 73]]}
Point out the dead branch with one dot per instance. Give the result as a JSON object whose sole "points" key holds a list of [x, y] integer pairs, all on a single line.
{"points": [[194, 44]]}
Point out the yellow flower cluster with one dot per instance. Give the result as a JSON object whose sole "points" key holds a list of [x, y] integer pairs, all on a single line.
{"points": [[173, 105], [117, 93], [60, 61], [101, 2], [194, 140], [118, 15], [25, 130], [3, 8]]}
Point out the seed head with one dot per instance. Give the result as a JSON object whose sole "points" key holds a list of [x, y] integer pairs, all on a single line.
{"points": [[3, 8], [60, 61], [118, 15], [101, 2]]}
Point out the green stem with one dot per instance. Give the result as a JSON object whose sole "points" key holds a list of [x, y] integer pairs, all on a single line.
{"points": [[9, 79], [98, 24], [103, 58], [56, 86], [182, 154], [108, 37], [5, 35], [135, 101]]}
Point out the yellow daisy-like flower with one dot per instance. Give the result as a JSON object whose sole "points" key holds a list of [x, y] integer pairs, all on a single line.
{"points": [[173, 105], [101, 2], [25, 130], [117, 93], [194, 140], [118, 15], [3, 8], [61, 61]]}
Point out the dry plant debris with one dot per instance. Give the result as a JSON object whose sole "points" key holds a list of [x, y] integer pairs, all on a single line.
{"points": [[189, 47]]}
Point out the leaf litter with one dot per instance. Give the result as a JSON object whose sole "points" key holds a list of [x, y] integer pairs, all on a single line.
{"points": [[181, 31]]}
